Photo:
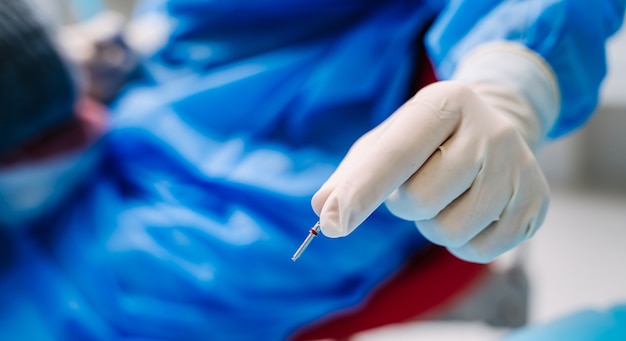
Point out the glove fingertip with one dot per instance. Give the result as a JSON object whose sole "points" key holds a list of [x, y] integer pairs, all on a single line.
{"points": [[319, 199], [334, 221]]}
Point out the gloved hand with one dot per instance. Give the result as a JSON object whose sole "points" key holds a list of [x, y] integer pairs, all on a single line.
{"points": [[457, 158]]}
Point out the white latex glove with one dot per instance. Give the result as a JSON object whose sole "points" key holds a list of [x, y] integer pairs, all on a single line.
{"points": [[457, 158]]}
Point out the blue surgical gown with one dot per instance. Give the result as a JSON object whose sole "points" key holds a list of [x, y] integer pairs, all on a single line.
{"points": [[186, 229]]}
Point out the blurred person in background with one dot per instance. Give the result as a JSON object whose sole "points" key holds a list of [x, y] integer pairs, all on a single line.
{"points": [[177, 218]]}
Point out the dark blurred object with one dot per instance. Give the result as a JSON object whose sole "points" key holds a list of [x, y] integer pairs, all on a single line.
{"points": [[501, 300], [97, 46], [36, 88]]}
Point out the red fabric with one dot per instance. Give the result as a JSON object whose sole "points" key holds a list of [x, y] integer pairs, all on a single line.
{"points": [[424, 73], [82, 129], [429, 281]]}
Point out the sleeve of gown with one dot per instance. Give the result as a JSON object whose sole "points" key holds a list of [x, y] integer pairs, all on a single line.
{"points": [[570, 35]]}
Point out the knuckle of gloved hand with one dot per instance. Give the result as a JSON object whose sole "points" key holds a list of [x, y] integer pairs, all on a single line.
{"points": [[505, 134], [532, 182], [534, 171], [450, 88], [475, 253], [443, 234], [411, 205], [537, 211], [424, 209], [458, 89], [486, 247], [448, 97]]}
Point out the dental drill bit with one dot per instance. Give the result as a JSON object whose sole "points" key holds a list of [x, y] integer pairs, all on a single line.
{"points": [[314, 231]]}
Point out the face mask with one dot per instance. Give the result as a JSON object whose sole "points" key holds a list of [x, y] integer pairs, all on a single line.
{"points": [[30, 190]]}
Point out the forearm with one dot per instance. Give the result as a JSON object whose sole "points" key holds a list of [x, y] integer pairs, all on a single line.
{"points": [[569, 35]]}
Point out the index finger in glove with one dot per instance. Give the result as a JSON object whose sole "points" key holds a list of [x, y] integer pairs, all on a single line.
{"points": [[382, 160]]}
